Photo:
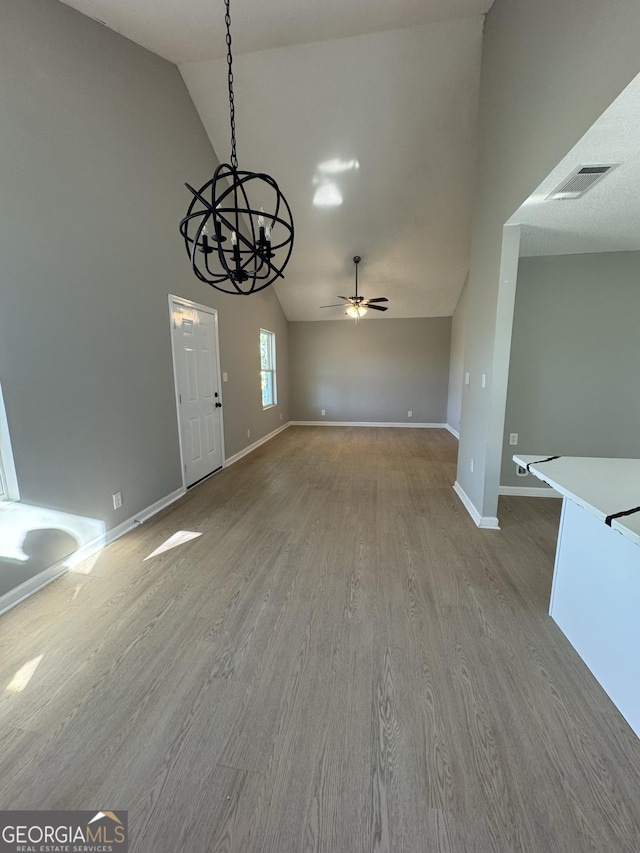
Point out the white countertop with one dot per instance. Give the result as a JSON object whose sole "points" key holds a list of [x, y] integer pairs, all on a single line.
{"points": [[601, 486]]}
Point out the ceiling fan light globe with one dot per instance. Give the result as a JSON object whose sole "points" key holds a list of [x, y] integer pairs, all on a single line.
{"points": [[356, 311]]}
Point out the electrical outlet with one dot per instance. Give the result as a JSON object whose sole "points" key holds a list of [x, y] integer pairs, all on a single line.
{"points": [[409, 414], [467, 377], [322, 412], [117, 500], [281, 416], [520, 471], [248, 433], [483, 380], [225, 377], [513, 439], [471, 466]]}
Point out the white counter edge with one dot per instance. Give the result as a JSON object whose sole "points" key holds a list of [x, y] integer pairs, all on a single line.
{"points": [[618, 525]]}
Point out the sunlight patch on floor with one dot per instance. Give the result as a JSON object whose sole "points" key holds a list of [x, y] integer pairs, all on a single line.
{"points": [[23, 675], [178, 538]]}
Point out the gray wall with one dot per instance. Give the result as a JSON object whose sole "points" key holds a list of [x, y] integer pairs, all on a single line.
{"points": [[456, 360], [549, 69], [98, 138], [574, 377], [373, 372]]}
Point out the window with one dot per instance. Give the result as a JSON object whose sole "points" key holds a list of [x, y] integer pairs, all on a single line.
{"points": [[268, 368]]}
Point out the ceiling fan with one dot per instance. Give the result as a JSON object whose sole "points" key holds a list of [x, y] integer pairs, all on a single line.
{"points": [[357, 306]]}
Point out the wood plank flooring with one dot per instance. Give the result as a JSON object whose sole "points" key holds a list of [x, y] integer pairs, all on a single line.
{"points": [[341, 662]]}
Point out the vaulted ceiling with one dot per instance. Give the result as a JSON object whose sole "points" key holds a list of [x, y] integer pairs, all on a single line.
{"points": [[607, 217], [369, 104]]}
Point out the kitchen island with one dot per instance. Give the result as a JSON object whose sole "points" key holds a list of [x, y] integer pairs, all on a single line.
{"points": [[595, 595]]}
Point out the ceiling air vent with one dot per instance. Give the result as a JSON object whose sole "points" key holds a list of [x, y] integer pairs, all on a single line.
{"points": [[580, 181]]}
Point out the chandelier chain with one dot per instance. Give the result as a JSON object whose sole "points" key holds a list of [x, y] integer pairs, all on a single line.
{"points": [[232, 108], [234, 259]]}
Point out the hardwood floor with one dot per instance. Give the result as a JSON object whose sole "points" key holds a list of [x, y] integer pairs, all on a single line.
{"points": [[341, 662]]}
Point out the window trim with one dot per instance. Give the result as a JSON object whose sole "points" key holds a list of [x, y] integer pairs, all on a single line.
{"points": [[270, 370], [9, 487]]}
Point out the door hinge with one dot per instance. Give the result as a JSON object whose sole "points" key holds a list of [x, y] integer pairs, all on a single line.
{"points": [[185, 469], [179, 398]]}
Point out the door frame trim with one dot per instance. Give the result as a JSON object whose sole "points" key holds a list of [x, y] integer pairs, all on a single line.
{"points": [[187, 303]]}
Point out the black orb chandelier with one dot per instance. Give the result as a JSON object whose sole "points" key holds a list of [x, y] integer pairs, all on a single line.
{"points": [[238, 230]]}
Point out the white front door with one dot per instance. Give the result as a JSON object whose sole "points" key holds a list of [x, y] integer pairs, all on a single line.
{"points": [[195, 354]]}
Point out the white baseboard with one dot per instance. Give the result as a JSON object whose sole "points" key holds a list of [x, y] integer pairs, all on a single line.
{"points": [[251, 447], [487, 522], [454, 432], [125, 526], [529, 491], [367, 424], [84, 552], [19, 593]]}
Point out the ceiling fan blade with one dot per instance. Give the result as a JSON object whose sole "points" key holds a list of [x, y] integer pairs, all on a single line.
{"points": [[376, 307], [348, 298], [378, 299], [336, 305]]}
